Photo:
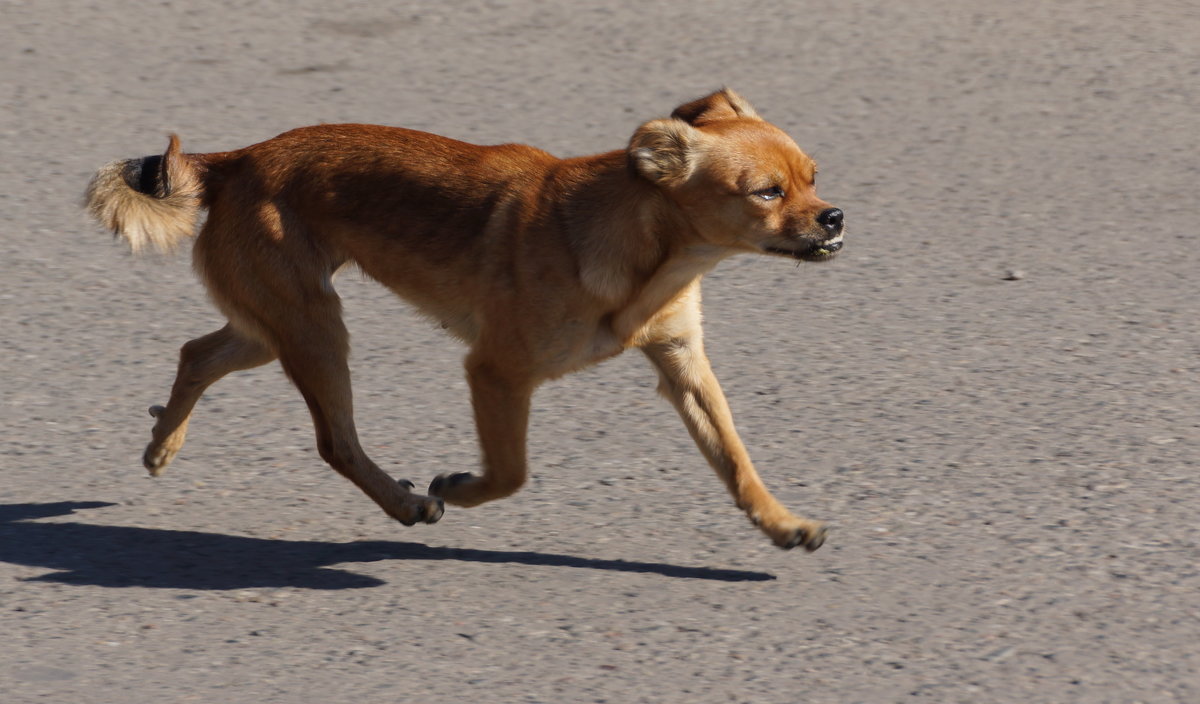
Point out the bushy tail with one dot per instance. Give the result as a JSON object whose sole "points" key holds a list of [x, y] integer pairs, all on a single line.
{"points": [[152, 202]]}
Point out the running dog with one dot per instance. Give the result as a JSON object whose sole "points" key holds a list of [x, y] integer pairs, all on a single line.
{"points": [[540, 265]]}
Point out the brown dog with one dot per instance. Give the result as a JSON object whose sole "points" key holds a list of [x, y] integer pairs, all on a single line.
{"points": [[542, 266]]}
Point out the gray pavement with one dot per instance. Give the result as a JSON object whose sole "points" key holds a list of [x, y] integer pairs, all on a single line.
{"points": [[1009, 461]]}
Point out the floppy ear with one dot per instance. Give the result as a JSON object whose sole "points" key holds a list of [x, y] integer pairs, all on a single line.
{"points": [[722, 105], [663, 151]]}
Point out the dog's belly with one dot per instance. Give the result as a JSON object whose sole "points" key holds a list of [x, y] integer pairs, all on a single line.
{"points": [[576, 344], [460, 325]]}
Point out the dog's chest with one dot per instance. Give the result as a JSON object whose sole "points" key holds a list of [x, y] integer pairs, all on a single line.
{"points": [[576, 343]]}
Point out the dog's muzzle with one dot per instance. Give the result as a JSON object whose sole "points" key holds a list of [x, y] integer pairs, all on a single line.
{"points": [[811, 251], [832, 220]]}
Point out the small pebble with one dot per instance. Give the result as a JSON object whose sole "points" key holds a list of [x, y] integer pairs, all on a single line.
{"points": [[1014, 275]]}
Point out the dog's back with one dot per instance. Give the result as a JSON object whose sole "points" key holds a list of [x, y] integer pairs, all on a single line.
{"points": [[422, 188], [421, 213]]}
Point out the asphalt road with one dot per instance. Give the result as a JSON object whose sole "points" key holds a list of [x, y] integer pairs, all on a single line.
{"points": [[991, 394]]}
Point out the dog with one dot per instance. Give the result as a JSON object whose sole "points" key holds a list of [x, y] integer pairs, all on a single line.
{"points": [[542, 266]]}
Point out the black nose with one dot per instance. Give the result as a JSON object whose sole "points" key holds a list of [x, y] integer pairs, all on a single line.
{"points": [[831, 220]]}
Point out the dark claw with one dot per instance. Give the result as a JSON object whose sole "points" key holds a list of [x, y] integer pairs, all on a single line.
{"points": [[156, 410], [406, 484]]}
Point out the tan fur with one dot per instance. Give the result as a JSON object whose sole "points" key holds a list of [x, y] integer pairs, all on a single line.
{"points": [[542, 266], [147, 221]]}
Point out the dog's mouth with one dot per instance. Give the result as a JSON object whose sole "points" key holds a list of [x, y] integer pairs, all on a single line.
{"points": [[810, 251]]}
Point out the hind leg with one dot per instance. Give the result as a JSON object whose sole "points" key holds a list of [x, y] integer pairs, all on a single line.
{"points": [[313, 351], [201, 363], [279, 282]]}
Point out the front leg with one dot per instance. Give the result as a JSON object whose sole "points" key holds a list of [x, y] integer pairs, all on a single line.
{"points": [[500, 400], [687, 380]]}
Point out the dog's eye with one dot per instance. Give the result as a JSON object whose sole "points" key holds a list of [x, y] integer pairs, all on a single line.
{"points": [[770, 193]]}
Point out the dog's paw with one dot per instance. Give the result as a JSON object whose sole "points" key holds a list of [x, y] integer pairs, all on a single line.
{"points": [[444, 482], [156, 458], [810, 537], [420, 509], [164, 445]]}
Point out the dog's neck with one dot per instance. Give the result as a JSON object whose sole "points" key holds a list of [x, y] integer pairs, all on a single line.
{"points": [[636, 252], [622, 228]]}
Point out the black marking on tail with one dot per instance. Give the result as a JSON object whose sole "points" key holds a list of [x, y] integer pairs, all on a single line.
{"points": [[148, 175]]}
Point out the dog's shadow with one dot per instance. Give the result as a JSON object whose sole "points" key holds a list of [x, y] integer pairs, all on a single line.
{"points": [[123, 556]]}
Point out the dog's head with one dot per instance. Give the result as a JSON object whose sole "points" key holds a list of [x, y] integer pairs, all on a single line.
{"points": [[741, 182]]}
